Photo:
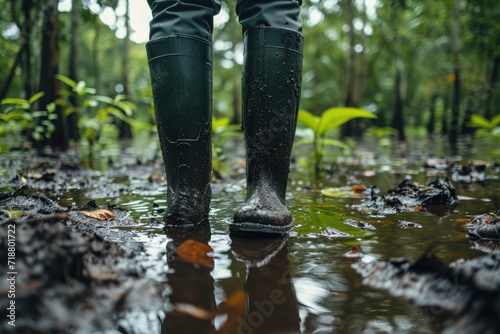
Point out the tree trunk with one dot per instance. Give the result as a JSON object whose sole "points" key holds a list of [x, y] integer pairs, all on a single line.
{"points": [[347, 129], [12, 71], [26, 56], [444, 116], [492, 80], [49, 68], [398, 119], [73, 132], [455, 107], [125, 130], [95, 56], [432, 118], [469, 110]]}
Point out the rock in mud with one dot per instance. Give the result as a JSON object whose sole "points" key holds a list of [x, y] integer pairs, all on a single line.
{"points": [[437, 197], [468, 174], [485, 227], [70, 277], [29, 204], [466, 292], [67, 282]]}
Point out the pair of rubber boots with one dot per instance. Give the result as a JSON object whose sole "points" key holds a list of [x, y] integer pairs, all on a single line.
{"points": [[181, 77]]}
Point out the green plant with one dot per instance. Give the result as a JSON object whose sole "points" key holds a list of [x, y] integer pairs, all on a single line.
{"points": [[19, 116], [221, 132], [96, 113], [485, 127], [330, 119], [383, 134]]}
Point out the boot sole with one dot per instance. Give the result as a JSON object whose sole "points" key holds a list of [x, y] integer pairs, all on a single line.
{"points": [[259, 229]]}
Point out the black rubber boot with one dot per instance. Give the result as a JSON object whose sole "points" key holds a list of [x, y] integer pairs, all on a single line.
{"points": [[271, 93], [181, 78]]}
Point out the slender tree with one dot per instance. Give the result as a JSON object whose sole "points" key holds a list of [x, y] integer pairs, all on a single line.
{"points": [[455, 107], [48, 70], [73, 65], [125, 130], [398, 117]]}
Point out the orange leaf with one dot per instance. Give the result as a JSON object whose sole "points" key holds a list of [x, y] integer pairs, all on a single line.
{"points": [[354, 253], [196, 252], [358, 188], [101, 214], [418, 208]]}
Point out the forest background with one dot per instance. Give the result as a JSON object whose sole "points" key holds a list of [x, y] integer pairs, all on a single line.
{"points": [[422, 67]]}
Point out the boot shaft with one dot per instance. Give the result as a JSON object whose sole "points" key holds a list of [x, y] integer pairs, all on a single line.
{"points": [[181, 77], [272, 74]]}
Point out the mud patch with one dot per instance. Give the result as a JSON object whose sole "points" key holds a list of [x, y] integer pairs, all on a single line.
{"points": [[465, 292]]}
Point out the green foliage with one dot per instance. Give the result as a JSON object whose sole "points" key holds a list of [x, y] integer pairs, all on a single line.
{"points": [[221, 132], [383, 135], [486, 128], [19, 116], [330, 119], [97, 113]]}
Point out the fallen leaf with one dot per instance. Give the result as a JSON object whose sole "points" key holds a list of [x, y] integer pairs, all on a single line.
{"points": [[358, 188], [196, 252], [13, 214], [418, 208], [101, 214], [354, 253]]}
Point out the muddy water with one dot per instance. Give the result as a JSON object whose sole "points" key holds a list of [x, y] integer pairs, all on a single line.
{"points": [[318, 290], [303, 283]]}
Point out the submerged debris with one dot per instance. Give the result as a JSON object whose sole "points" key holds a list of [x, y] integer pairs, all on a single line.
{"points": [[65, 278], [468, 174], [408, 224], [354, 253], [359, 224], [466, 291], [485, 227], [437, 197], [333, 233]]}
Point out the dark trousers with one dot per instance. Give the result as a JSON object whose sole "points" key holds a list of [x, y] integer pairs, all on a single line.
{"points": [[195, 17]]}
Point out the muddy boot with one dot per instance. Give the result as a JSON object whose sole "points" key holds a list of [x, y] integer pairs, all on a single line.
{"points": [[181, 78], [271, 93]]}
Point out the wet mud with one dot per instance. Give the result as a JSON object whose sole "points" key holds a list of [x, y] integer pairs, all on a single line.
{"points": [[84, 265]]}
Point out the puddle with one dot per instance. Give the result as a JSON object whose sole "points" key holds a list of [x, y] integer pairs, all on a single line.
{"points": [[304, 283]]}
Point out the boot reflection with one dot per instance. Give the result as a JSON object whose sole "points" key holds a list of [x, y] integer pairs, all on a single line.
{"points": [[272, 305], [192, 286]]}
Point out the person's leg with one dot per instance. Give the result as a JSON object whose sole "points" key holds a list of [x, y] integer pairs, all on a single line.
{"points": [[180, 64], [272, 72]]}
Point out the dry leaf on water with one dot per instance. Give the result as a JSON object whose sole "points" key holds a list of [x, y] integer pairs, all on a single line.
{"points": [[101, 214], [196, 252], [358, 188], [354, 253]]}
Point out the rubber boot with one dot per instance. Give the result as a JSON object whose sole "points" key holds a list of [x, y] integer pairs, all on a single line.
{"points": [[271, 82], [181, 77]]}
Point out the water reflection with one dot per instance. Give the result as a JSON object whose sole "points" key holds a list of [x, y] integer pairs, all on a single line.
{"points": [[192, 286], [272, 305], [266, 303]]}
